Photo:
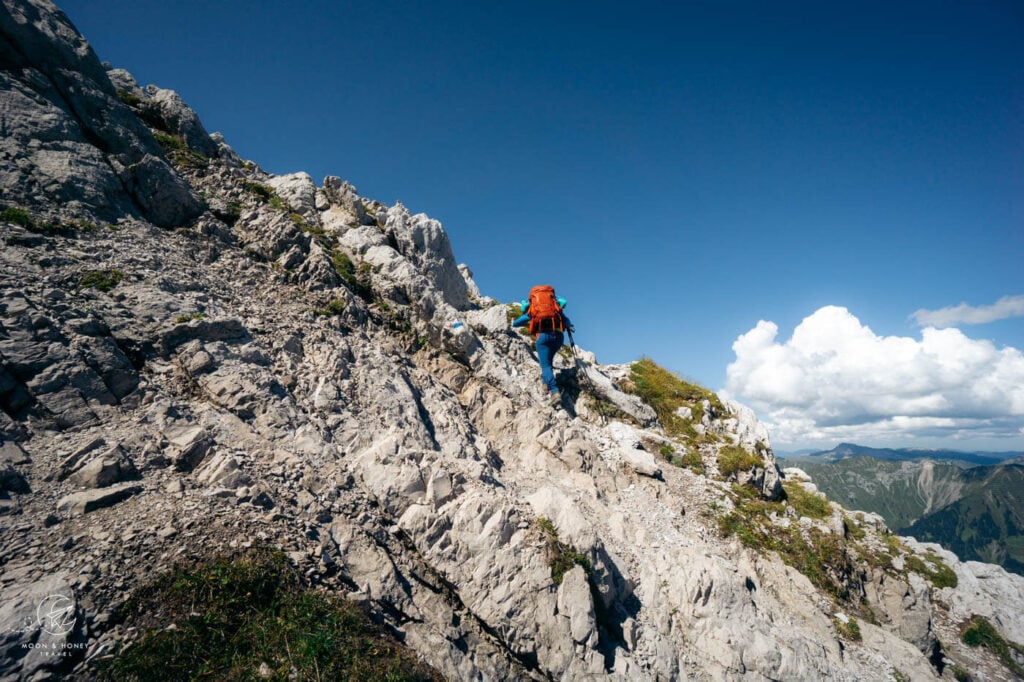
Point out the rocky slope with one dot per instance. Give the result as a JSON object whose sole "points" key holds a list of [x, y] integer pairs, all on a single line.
{"points": [[198, 356]]}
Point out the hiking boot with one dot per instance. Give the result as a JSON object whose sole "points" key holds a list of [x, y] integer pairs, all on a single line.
{"points": [[555, 399]]}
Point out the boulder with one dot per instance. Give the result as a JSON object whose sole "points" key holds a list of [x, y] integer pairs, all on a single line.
{"points": [[189, 444], [640, 461], [113, 466], [576, 604], [222, 470], [91, 500], [298, 190]]}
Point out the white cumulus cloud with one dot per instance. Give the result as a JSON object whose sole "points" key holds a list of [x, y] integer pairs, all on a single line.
{"points": [[835, 379], [1007, 306]]}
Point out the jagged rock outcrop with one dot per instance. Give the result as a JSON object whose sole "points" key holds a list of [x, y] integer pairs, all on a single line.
{"points": [[69, 143], [286, 372]]}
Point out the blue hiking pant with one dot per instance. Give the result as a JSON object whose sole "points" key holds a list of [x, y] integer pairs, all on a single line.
{"points": [[548, 344]]}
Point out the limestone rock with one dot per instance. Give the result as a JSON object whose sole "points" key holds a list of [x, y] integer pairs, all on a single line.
{"points": [[641, 462], [342, 204], [91, 500], [610, 392], [298, 190], [230, 329], [11, 453], [68, 139], [493, 320], [172, 114], [424, 242], [222, 470], [575, 603], [189, 445], [982, 589], [12, 480], [109, 468]]}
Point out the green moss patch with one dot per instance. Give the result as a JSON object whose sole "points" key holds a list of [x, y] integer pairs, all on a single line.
{"points": [[821, 556], [336, 306], [980, 632], [358, 279], [18, 216], [258, 190]]}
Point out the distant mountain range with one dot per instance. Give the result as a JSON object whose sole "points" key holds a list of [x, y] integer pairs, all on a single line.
{"points": [[847, 450], [968, 502], [987, 523]]}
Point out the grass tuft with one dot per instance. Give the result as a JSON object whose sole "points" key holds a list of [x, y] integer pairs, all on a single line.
{"points": [[666, 393], [260, 191], [357, 279], [18, 216], [733, 458], [819, 555], [233, 615], [850, 630], [980, 632], [512, 312], [337, 306], [960, 674], [102, 280], [806, 503], [561, 556], [547, 527], [129, 98], [933, 568]]}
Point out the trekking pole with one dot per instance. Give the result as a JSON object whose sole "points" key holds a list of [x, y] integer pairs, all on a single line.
{"points": [[579, 364], [582, 370]]}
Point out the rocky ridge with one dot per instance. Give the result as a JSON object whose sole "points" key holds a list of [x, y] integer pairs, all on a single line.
{"points": [[198, 356]]}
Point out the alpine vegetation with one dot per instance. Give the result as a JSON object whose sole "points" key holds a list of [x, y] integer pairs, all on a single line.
{"points": [[262, 427]]}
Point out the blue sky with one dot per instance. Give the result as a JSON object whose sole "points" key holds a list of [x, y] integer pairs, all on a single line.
{"points": [[679, 171]]}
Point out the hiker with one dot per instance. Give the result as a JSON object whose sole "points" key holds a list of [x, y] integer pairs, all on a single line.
{"points": [[543, 311]]}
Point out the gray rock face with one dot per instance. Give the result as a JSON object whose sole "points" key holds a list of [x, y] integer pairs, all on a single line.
{"points": [[342, 204], [177, 118], [286, 373], [424, 243], [68, 140]]}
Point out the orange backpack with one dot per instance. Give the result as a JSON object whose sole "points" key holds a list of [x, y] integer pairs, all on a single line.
{"points": [[545, 313]]}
